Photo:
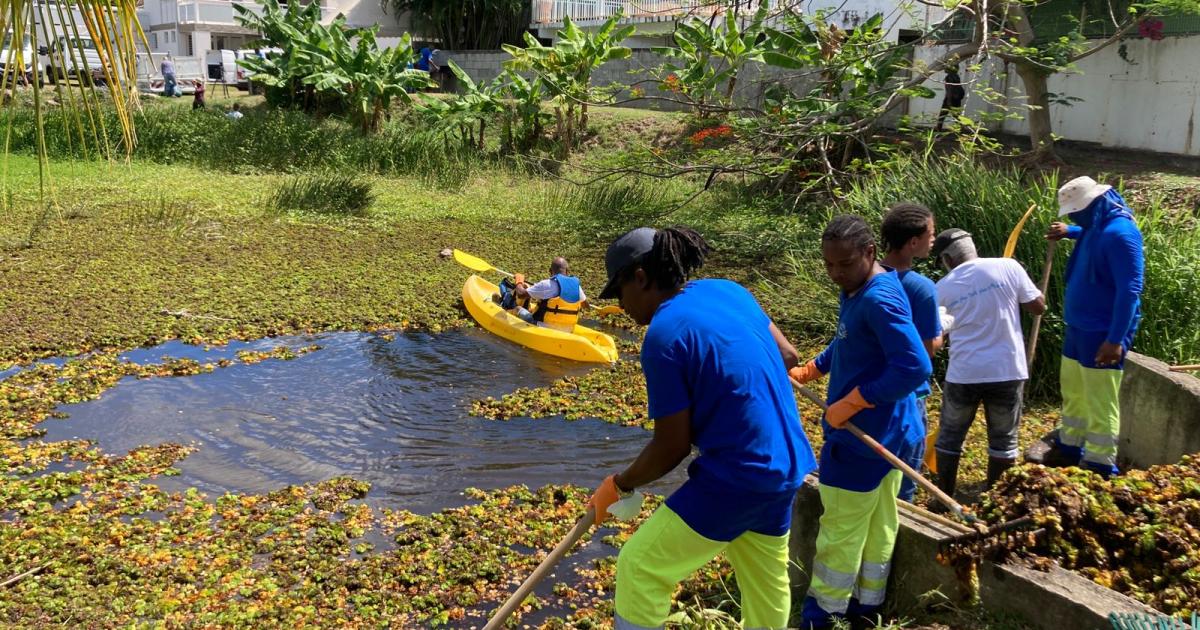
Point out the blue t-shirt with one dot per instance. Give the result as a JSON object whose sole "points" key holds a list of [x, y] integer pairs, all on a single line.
{"points": [[877, 349], [922, 299], [710, 349]]}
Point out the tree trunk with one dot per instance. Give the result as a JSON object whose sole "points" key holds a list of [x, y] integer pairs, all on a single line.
{"points": [[482, 126], [1041, 134]]}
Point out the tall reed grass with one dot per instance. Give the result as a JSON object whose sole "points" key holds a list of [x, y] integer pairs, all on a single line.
{"points": [[276, 140]]}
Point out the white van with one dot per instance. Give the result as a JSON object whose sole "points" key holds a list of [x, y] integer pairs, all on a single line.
{"points": [[65, 60], [22, 51], [243, 75]]}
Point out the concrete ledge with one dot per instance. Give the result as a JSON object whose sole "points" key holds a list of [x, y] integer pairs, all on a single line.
{"points": [[1160, 413], [1054, 600]]}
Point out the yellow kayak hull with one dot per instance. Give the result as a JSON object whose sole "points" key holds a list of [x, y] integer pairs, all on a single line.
{"points": [[584, 344]]}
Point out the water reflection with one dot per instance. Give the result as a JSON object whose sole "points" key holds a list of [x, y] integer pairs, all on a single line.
{"points": [[392, 412]]}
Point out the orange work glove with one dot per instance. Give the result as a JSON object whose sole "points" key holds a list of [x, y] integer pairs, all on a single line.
{"points": [[805, 373], [604, 496], [840, 412]]}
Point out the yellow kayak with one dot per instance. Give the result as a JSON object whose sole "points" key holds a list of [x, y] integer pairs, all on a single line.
{"points": [[584, 344]]}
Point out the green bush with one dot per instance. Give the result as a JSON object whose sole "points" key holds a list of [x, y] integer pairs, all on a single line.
{"points": [[327, 193], [988, 202]]}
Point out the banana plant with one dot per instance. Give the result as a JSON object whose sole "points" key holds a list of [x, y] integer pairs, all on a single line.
{"points": [[711, 56], [566, 67], [523, 108], [470, 110], [332, 62]]}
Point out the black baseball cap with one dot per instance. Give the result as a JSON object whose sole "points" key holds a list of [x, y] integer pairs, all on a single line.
{"points": [[629, 248], [947, 237]]}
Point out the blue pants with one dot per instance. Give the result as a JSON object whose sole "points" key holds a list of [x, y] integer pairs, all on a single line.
{"points": [[508, 301], [168, 85], [914, 456]]}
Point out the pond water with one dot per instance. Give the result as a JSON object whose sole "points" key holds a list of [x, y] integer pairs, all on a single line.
{"points": [[394, 412]]}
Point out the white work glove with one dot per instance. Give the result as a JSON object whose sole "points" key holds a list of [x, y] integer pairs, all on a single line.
{"points": [[947, 319], [628, 508]]}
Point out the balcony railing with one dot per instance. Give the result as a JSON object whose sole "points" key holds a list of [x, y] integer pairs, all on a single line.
{"points": [[218, 11], [549, 12]]}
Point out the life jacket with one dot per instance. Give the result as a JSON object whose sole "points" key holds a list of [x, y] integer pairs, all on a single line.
{"points": [[561, 311]]}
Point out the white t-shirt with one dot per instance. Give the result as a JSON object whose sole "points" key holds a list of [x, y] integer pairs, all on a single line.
{"points": [[548, 288], [985, 296]]}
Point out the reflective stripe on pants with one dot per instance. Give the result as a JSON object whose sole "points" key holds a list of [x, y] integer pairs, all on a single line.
{"points": [[854, 549], [1091, 413], [665, 550]]}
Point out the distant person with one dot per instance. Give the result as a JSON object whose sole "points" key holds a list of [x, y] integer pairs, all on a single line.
{"points": [[168, 72], [198, 96], [560, 298], [983, 299], [1102, 309], [425, 62], [236, 112], [955, 94]]}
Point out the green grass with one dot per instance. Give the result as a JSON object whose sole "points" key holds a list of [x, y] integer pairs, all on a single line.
{"points": [[324, 193]]}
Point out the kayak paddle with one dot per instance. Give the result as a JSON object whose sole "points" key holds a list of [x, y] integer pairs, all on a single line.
{"points": [[611, 309], [476, 263]]}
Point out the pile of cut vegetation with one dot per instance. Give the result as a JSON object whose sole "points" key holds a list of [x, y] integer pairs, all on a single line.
{"points": [[1138, 533]]}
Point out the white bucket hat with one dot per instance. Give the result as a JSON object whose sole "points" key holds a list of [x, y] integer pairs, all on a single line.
{"points": [[1078, 194]]}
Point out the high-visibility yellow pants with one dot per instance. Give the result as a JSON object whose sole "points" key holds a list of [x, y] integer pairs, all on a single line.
{"points": [[1091, 415], [665, 550], [854, 552]]}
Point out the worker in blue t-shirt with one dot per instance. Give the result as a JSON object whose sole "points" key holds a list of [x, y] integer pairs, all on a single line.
{"points": [[714, 380], [875, 363], [908, 233]]}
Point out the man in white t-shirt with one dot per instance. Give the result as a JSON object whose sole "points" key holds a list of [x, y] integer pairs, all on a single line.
{"points": [[982, 300]]}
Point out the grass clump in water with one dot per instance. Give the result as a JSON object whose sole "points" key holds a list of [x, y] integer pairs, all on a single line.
{"points": [[326, 193]]}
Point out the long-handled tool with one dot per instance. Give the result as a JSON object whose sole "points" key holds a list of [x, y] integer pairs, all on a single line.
{"points": [[1185, 368], [1037, 319], [891, 458], [514, 601], [476, 263]]}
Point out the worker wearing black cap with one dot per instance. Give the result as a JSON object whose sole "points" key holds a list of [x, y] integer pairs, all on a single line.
{"points": [[714, 379]]}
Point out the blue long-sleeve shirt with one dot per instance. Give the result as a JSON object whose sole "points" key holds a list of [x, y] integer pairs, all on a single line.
{"points": [[877, 349], [1105, 271]]}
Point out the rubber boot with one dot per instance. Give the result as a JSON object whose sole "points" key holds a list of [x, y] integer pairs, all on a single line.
{"points": [[947, 478], [996, 467]]}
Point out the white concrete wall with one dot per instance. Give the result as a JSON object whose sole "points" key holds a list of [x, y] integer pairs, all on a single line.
{"points": [[1151, 104], [368, 13]]}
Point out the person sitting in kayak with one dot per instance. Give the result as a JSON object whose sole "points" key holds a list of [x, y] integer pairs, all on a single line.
{"points": [[560, 298]]}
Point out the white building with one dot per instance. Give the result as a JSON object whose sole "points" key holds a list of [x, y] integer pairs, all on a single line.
{"points": [[655, 19], [191, 27]]}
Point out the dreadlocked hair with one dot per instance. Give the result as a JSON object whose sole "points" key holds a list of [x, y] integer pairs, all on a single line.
{"points": [[849, 228], [677, 252], [904, 222]]}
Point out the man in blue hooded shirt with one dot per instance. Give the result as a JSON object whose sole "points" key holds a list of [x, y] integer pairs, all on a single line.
{"points": [[1101, 310]]}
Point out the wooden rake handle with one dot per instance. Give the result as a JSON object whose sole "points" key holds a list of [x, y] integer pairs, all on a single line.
{"points": [[514, 601], [908, 471], [1036, 326]]}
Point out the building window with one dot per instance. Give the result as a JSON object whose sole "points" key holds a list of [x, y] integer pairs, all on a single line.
{"points": [[154, 40]]}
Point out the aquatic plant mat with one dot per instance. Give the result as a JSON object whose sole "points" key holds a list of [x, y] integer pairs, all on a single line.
{"points": [[1138, 534]]}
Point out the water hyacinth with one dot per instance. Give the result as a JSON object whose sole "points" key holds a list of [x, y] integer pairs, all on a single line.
{"points": [[1138, 533]]}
